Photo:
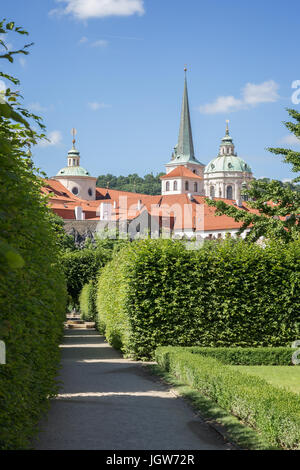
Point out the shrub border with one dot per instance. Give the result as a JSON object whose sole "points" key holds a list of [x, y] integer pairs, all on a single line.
{"points": [[273, 412]]}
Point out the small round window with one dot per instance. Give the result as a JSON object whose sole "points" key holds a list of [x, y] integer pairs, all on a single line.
{"points": [[75, 190], [90, 192]]}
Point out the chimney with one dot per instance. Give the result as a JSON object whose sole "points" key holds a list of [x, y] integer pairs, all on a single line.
{"points": [[105, 211], [239, 203], [78, 212], [139, 205]]}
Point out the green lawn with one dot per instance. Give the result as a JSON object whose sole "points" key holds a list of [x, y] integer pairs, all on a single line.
{"points": [[281, 376]]}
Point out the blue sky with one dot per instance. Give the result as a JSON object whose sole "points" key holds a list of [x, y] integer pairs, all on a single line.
{"points": [[114, 70]]}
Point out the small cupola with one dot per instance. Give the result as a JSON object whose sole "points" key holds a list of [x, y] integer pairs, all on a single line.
{"points": [[227, 145], [73, 154]]}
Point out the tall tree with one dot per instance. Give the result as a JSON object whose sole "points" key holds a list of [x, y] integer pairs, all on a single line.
{"points": [[277, 206]]}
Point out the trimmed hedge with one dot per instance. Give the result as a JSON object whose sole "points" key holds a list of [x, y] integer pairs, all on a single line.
{"points": [[248, 356], [273, 412], [32, 303], [110, 303], [156, 292], [87, 301], [81, 266]]}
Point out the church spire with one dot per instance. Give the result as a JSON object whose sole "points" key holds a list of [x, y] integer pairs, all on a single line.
{"points": [[185, 145]]}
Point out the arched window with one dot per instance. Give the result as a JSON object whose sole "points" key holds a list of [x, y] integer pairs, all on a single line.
{"points": [[175, 186], [229, 192], [195, 187], [167, 186], [186, 185], [212, 191]]}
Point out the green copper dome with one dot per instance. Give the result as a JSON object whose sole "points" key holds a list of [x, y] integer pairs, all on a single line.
{"points": [[227, 163], [73, 171]]}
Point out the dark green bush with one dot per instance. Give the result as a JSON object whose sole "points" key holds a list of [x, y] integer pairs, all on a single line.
{"points": [[275, 413], [32, 302], [81, 266], [32, 284], [248, 356], [156, 292], [87, 301]]}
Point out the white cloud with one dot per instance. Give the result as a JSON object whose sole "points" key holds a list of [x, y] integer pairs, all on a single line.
{"points": [[37, 107], [22, 61], [83, 40], [2, 86], [55, 139], [85, 9], [252, 95], [95, 105], [99, 43], [2, 92], [265, 92], [290, 139], [223, 104]]}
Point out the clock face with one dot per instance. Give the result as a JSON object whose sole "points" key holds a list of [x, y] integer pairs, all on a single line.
{"points": [[75, 190]]}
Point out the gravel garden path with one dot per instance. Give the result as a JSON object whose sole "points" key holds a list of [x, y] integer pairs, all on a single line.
{"points": [[111, 403]]}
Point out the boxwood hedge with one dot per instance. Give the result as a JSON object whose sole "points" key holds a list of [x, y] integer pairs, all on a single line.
{"points": [[32, 304], [248, 356], [87, 301], [274, 412], [32, 292], [157, 292]]}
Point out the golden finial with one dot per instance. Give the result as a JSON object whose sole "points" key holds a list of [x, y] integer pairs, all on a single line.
{"points": [[227, 127], [185, 68], [73, 133]]}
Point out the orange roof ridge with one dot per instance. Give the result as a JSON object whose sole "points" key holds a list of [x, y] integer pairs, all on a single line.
{"points": [[181, 171]]}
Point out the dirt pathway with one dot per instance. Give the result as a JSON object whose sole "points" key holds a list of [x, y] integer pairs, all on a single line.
{"points": [[107, 402]]}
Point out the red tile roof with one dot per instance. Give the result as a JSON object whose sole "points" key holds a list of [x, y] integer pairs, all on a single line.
{"points": [[192, 214], [182, 172]]}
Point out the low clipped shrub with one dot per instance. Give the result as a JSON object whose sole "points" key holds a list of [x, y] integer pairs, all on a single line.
{"points": [[273, 412], [248, 356], [229, 294], [87, 301]]}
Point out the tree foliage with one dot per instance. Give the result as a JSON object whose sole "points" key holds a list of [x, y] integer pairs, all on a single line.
{"points": [[150, 184], [277, 205]]}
